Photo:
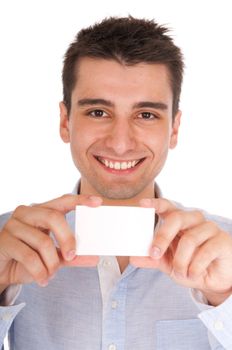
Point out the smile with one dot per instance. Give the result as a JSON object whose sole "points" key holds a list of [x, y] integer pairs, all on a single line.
{"points": [[116, 165]]}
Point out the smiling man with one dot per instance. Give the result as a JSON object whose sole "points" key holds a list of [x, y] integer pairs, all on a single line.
{"points": [[120, 127], [120, 113]]}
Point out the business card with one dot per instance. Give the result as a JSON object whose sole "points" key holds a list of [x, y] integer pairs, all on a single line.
{"points": [[114, 230]]}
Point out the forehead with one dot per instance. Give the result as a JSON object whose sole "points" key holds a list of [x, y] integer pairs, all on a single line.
{"points": [[113, 78]]}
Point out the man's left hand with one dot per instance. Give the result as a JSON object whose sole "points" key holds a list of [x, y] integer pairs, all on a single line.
{"points": [[194, 252]]}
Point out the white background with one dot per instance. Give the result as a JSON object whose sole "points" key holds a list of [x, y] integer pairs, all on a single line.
{"points": [[34, 163], [36, 166]]}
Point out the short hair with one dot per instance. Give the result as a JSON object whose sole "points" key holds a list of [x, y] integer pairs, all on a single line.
{"points": [[129, 41]]}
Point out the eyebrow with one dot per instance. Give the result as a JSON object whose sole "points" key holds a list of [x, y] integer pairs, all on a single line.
{"points": [[94, 101], [107, 103], [150, 104]]}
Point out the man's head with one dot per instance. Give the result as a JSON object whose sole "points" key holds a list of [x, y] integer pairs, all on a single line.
{"points": [[128, 41], [122, 81]]}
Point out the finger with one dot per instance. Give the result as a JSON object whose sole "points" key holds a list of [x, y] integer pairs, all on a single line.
{"points": [[68, 202], [52, 220], [39, 241], [207, 254], [49, 216], [188, 244], [82, 261], [173, 224], [30, 259], [161, 205]]}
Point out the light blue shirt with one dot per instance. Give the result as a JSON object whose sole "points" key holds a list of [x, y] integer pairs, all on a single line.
{"points": [[145, 310]]}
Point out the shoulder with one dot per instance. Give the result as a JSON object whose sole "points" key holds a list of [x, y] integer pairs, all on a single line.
{"points": [[3, 218]]}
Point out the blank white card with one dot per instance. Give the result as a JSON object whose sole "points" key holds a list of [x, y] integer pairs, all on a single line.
{"points": [[114, 230]]}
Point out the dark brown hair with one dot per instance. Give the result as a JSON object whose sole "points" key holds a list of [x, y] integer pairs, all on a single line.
{"points": [[129, 41]]}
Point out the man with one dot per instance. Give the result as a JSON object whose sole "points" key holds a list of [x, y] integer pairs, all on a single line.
{"points": [[120, 114]]}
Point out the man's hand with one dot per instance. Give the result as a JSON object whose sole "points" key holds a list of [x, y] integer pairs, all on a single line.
{"points": [[194, 252], [28, 253]]}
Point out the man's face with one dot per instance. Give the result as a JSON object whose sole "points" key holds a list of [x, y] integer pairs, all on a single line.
{"points": [[120, 127]]}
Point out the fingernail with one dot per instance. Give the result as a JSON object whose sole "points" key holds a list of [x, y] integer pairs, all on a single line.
{"points": [[146, 202], [70, 255], [43, 283], [95, 199], [155, 253]]}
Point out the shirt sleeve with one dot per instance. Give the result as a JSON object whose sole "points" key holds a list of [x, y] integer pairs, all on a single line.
{"points": [[217, 319], [8, 311]]}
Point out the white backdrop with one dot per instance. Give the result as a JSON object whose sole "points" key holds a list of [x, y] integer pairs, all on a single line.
{"points": [[34, 163]]}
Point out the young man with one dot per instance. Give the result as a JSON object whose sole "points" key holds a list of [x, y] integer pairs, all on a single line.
{"points": [[120, 114]]}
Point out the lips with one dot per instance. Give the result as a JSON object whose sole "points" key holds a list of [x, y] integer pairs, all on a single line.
{"points": [[119, 165]]}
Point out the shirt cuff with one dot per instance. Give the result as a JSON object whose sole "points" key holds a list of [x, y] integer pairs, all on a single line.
{"points": [[217, 319]]}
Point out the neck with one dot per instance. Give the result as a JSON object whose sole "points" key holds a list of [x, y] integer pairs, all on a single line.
{"points": [[123, 262]]}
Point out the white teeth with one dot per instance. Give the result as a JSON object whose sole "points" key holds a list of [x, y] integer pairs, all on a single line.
{"points": [[118, 165], [124, 165]]}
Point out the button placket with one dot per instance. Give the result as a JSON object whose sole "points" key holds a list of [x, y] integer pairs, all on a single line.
{"points": [[114, 322]]}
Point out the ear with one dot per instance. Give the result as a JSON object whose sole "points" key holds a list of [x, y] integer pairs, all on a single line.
{"points": [[175, 130], [64, 123]]}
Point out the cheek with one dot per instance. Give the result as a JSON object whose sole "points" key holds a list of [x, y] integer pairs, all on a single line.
{"points": [[160, 149], [82, 137], [158, 142]]}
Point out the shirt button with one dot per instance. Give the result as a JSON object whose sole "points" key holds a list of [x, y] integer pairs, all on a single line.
{"points": [[112, 347], [6, 316], [218, 325], [106, 263], [114, 304]]}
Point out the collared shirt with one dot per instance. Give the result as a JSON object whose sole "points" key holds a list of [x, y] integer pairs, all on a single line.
{"points": [[102, 309]]}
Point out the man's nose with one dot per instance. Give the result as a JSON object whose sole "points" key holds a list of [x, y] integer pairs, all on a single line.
{"points": [[121, 137]]}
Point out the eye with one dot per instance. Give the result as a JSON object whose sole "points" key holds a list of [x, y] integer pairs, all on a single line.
{"points": [[97, 113], [148, 116]]}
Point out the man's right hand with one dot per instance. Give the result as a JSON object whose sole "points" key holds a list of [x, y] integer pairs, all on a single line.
{"points": [[28, 253]]}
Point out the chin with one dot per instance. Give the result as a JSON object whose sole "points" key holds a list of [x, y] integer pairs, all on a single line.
{"points": [[124, 192]]}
